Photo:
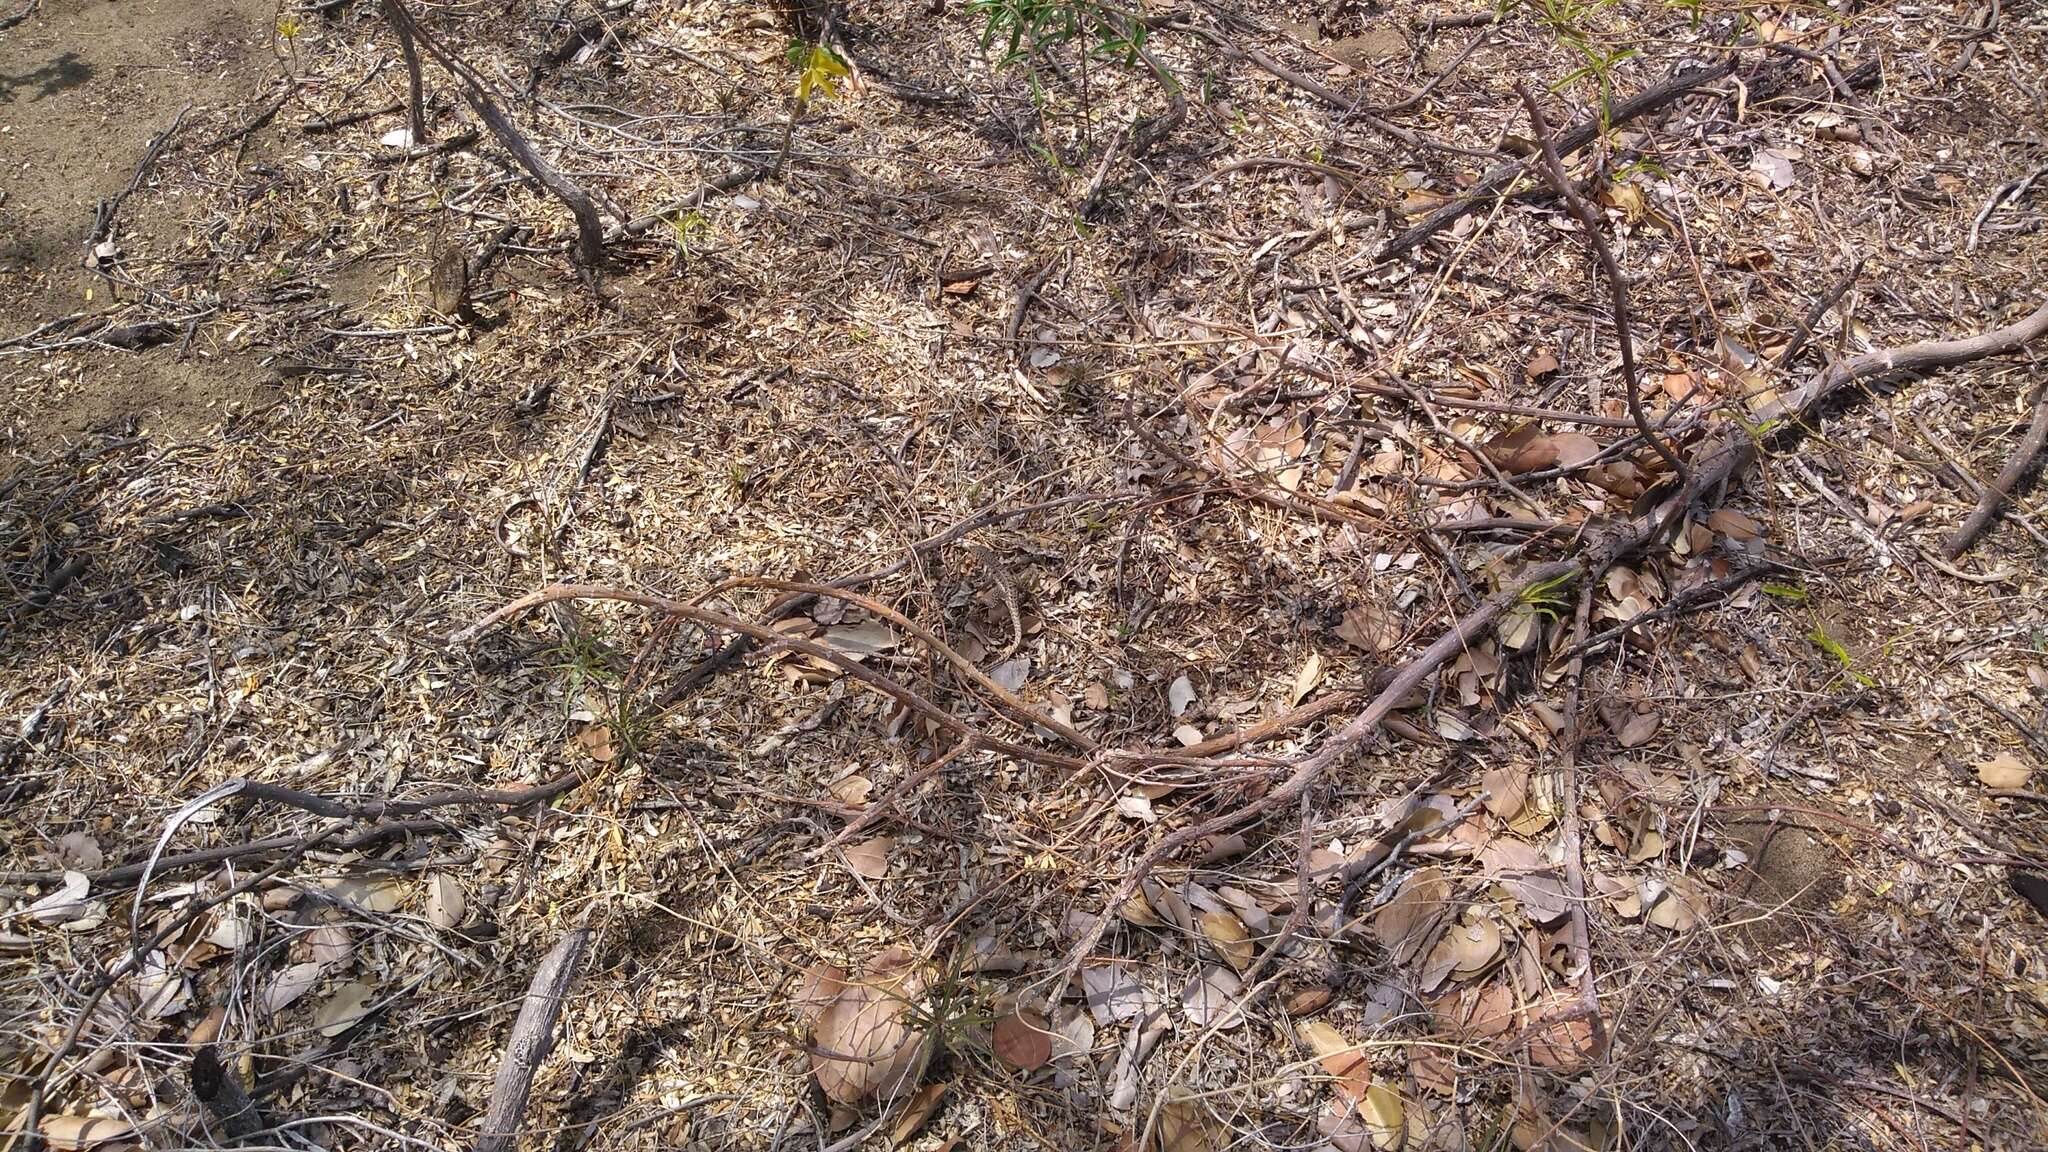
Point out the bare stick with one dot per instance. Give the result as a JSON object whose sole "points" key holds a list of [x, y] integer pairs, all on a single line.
{"points": [[1999, 490], [1820, 308], [7, 22], [533, 1034], [1617, 288], [589, 226], [103, 219], [415, 104]]}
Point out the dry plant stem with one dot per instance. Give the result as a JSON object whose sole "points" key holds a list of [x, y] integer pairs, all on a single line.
{"points": [[557, 593], [103, 218], [1713, 467], [2000, 490], [1499, 179], [589, 227], [415, 101], [1009, 700], [1617, 288], [122, 875], [1820, 308], [533, 1033]]}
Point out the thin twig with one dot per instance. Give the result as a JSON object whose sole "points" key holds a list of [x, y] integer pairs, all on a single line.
{"points": [[1617, 287], [533, 1034]]}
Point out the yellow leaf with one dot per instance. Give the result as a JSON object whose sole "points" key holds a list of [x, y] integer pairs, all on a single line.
{"points": [[2003, 771]]}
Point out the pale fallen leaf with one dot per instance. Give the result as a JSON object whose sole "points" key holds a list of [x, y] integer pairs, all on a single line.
{"points": [[1012, 674], [2003, 771], [77, 849], [822, 984], [67, 1131], [870, 858], [1406, 924], [851, 791], [446, 905], [1023, 1040], [1112, 994], [1209, 996], [1332, 1049], [68, 902], [161, 990], [339, 1012], [1226, 932], [1680, 907], [1561, 1036], [1621, 893], [1136, 808], [1185, 1126], [1188, 735], [1180, 695], [1507, 789], [380, 894], [1073, 1034], [859, 641], [287, 986], [864, 1044], [1522, 869], [1305, 680], [1369, 628], [916, 1114]]}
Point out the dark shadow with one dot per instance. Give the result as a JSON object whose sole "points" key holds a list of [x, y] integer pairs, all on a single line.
{"points": [[60, 75]]}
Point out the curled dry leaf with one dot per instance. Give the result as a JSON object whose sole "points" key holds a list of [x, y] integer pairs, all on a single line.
{"points": [[1305, 680], [1180, 695], [916, 1114], [1227, 933], [67, 903], [1478, 1011], [2003, 771], [863, 1042], [67, 1131], [1023, 1041], [870, 858], [1681, 906], [287, 986], [852, 791], [1209, 996], [1406, 925], [446, 904], [1526, 873]]}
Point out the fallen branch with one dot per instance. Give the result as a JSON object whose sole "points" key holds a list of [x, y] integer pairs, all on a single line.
{"points": [[2000, 490], [533, 1034], [221, 1091], [103, 218], [415, 102], [589, 251]]}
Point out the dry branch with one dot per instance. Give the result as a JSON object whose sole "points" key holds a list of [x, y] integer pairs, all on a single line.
{"points": [[1999, 490], [589, 227], [533, 1034]]}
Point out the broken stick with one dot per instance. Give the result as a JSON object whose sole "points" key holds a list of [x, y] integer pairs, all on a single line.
{"points": [[533, 1034]]}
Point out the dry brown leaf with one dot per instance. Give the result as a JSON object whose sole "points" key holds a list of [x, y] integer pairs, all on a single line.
{"points": [[1561, 1036], [350, 1003], [1507, 789], [71, 1132], [1185, 1126], [1681, 906], [852, 791], [822, 984], [1370, 629], [1542, 365], [595, 741], [863, 1045], [1227, 933], [916, 1114], [2003, 771], [1526, 873], [1406, 924], [1023, 1040], [1478, 1011], [1308, 1001], [870, 858], [446, 905], [1332, 1049], [1305, 681]]}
